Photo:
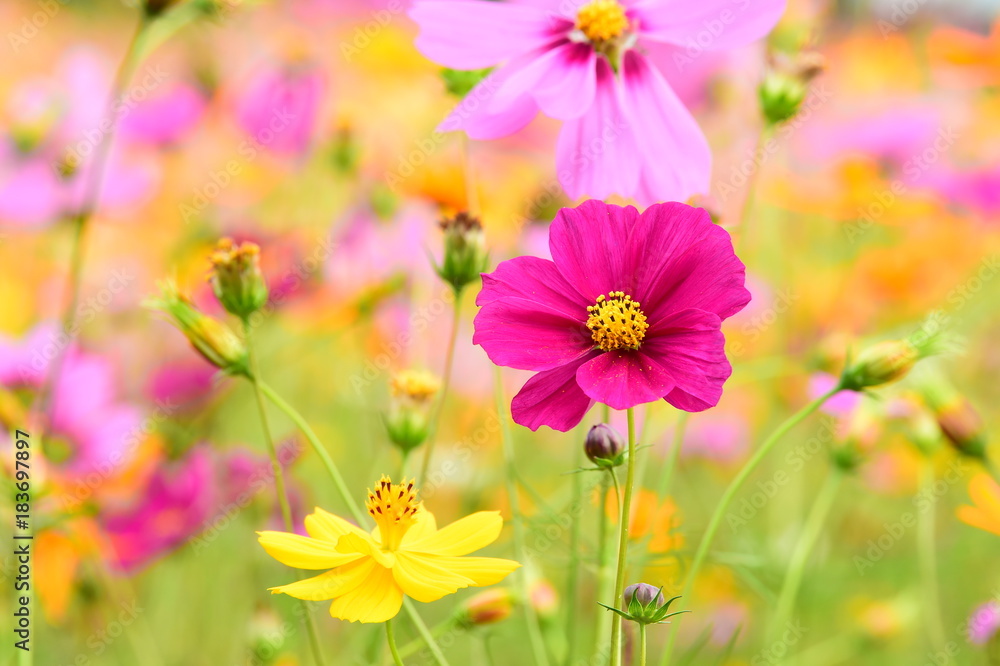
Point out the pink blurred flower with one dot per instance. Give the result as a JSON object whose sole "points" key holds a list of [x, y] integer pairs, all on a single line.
{"points": [[625, 130], [165, 117], [280, 105], [977, 190], [842, 404], [984, 623], [573, 321], [722, 439]]}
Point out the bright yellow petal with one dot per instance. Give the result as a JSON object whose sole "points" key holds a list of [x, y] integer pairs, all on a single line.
{"points": [[324, 525], [421, 578], [481, 570], [985, 493], [973, 516], [365, 545], [424, 525], [303, 552], [462, 536], [376, 599], [331, 584]]}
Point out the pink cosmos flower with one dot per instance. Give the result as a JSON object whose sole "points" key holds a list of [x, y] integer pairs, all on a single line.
{"points": [[280, 107], [586, 63], [628, 311], [984, 623]]}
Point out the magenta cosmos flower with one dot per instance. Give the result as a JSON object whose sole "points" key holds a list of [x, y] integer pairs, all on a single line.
{"points": [[628, 311], [587, 63]]}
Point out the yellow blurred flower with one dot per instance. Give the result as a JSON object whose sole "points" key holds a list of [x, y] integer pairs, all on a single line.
{"points": [[985, 512], [405, 554], [649, 516]]}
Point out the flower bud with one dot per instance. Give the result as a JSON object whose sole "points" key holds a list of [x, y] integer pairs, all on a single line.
{"points": [[267, 636], [465, 255], [460, 82], [157, 7], [544, 598], [605, 446], [956, 417], [487, 607], [213, 339], [412, 393], [236, 278], [786, 85], [890, 361], [645, 604]]}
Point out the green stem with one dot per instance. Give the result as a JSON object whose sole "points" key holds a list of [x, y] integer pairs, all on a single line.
{"points": [[279, 479], [319, 449], [601, 628], [359, 517], [748, 202], [534, 629], [803, 549], [391, 638], [727, 498], [642, 644], [616, 621], [573, 579], [417, 643], [670, 464], [449, 361], [928, 560], [424, 632]]}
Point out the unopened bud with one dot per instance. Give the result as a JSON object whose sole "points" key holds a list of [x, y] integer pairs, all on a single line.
{"points": [[645, 604], [157, 7], [605, 446], [890, 361], [487, 607], [213, 339], [957, 419], [267, 635], [460, 82], [236, 278], [465, 255], [412, 393], [544, 599], [645, 594], [786, 85]]}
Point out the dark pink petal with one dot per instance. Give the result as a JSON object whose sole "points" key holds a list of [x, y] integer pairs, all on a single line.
{"points": [[684, 261], [624, 379], [588, 245], [596, 154], [691, 346], [482, 116], [707, 25], [476, 33], [562, 80], [535, 279], [676, 159], [528, 335], [552, 398]]}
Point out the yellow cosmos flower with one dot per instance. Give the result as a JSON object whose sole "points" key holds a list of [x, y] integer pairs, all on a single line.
{"points": [[985, 494], [405, 554]]}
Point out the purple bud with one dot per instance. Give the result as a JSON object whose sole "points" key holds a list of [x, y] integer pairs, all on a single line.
{"points": [[643, 593], [603, 443]]}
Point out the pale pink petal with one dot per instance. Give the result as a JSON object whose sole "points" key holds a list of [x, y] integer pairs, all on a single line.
{"points": [[484, 117], [707, 25], [624, 379], [477, 33], [552, 398], [562, 80], [676, 158], [596, 154]]}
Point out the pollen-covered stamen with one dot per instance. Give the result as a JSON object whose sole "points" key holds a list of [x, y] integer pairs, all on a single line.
{"points": [[393, 506], [602, 20], [616, 322]]}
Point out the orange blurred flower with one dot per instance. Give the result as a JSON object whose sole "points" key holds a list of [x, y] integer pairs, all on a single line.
{"points": [[985, 512]]}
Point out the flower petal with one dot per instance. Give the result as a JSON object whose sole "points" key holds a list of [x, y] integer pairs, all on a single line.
{"points": [[624, 379], [365, 545], [523, 334], [331, 584], [425, 581], [676, 159], [482, 570], [535, 279], [378, 598], [985, 493], [552, 398], [324, 525], [691, 346], [484, 117], [978, 518], [473, 34], [304, 552], [596, 154], [562, 80], [588, 245], [462, 536], [707, 25], [684, 262]]}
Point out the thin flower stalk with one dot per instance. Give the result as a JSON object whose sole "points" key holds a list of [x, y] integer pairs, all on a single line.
{"points": [[616, 621]]}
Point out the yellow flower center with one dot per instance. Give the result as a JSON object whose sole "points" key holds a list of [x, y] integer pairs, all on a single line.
{"points": [[602, 20], [393, 506], [616, 322]]}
